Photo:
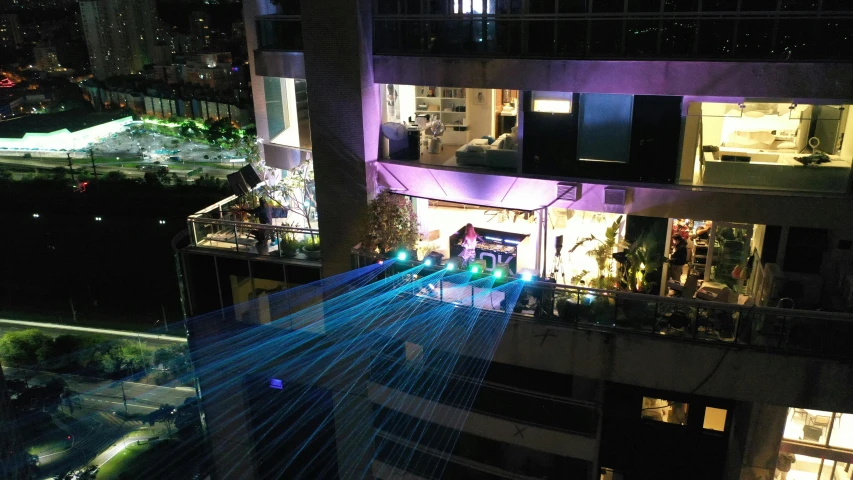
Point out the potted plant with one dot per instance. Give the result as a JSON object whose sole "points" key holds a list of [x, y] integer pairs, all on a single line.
{"points": [[603, 255], [390, 224], [262, 245], [425, 249], [288, 246], [311, 248]]}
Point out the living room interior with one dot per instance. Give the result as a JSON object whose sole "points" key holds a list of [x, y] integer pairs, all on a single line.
{"points": [[452, 127]]}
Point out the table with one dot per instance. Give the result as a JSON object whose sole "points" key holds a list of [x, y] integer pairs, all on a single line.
{"points": [[710, 291]]}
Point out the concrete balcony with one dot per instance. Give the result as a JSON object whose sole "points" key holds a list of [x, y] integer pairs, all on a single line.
{"points": [[666, 201]]}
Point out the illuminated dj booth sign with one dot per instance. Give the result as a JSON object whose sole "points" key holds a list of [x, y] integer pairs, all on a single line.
{"points": [[498, 247]]}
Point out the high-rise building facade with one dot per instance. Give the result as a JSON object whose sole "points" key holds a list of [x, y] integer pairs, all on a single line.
{"points": [[678, 174], [119, 34], [200, 26], [10, 32]]}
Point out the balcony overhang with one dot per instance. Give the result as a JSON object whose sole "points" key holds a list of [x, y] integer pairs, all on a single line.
{"points": [[806, 81], [281, 64], [724, 371], [666, 201], [284, 157]]}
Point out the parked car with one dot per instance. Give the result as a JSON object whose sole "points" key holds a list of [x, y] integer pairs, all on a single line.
{"points": [[154, 167]]}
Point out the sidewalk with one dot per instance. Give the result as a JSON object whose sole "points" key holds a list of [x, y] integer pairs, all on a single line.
{"points": [[127, 439]]}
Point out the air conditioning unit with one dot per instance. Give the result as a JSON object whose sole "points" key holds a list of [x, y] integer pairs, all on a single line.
{"points": [[614, 196], [568, 191]]}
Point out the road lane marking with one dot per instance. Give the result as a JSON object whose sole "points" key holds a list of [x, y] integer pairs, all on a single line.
{"points": [[122, 333]]}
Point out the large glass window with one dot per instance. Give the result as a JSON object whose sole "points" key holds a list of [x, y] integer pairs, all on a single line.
{"points": [[833, 429], [765, 145], [665, 411], [471, 128], [287, 112], [276, 102], [605, 127], [715, 419]]}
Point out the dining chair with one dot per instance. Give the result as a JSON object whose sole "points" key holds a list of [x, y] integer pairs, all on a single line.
{"points": [[821, 421], [801, 412]]}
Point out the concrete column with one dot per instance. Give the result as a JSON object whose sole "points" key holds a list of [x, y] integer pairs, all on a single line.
{"points": [[345, 118], [226, 417], [353, 432], [755, 437]]}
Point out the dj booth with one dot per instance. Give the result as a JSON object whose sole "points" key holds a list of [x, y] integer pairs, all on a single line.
{"points": [[497, 247]]}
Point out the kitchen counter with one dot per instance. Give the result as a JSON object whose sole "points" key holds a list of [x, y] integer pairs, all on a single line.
{"points": [[776, 171]]}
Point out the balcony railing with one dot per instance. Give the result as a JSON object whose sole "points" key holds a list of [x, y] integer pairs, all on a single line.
{"points": [[803, 332], [279, 32], [217, 227], [813, 36]]}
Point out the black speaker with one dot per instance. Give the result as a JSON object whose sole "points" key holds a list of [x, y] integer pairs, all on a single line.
{"points": [[250, 176], [244, 180], [238, 184], [558, 244]]}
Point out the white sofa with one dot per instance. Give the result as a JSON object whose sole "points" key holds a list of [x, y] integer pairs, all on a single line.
{"points": [[479, 152]]}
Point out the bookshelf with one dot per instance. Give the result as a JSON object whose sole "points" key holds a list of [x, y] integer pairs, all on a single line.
{"points": [[446, 102]]}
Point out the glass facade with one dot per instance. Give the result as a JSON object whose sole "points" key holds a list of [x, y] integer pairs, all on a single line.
{"points": [[771, 145], [816, 445], [768, 30], [287, 112]]}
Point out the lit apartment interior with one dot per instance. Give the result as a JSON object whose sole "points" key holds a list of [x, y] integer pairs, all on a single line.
{"points": [[758, 144]]}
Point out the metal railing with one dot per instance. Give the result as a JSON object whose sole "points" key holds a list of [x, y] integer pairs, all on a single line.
{"points": [[279, 32], [804, 332], [217, 226], [813, 36]]}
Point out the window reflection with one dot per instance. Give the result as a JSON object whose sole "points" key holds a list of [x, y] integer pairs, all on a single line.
{"points": [[665, 411]]}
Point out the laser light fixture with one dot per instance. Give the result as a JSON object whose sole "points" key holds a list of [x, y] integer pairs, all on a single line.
{"points": [[501, 270], [527, 275], [477, 266]]}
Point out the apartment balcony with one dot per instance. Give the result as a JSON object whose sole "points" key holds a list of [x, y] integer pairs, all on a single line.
{"points": [[747, 353], [279, 32], [626, 32], [786, 53], [224, 227]]}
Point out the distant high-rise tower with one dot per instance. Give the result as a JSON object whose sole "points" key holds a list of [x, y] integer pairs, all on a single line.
{"points": [[10, 32], [200, 26], [120, 35]]}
